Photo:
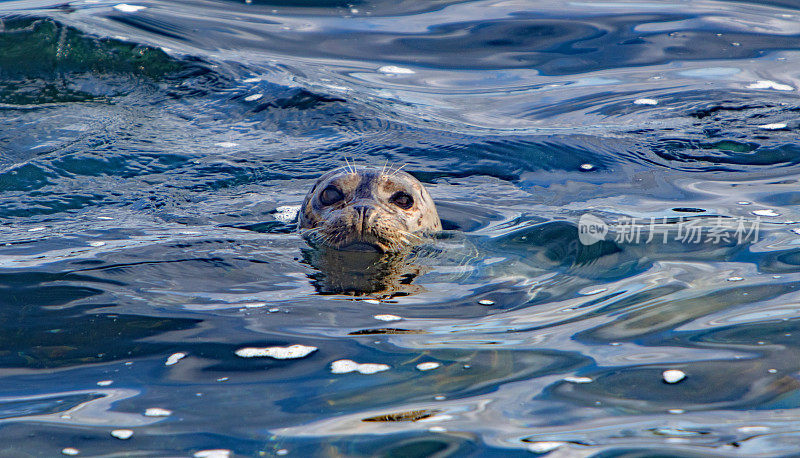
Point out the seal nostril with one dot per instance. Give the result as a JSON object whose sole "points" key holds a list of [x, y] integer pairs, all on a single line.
{"points": [[363, 212]]}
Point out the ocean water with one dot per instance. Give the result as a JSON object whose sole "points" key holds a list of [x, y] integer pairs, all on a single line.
{"points": [[618, 183]]}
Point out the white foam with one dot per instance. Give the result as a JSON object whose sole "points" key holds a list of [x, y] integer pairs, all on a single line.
{"points": [[428, 366], [252, 305], [287, 213], [290, 352], [343, 366], [157, 412], [593, 291], [767, 84], [767, 212], [673, 375], [214, 453], [544, 446], [122, 433], [645, 102], [773, 126], [174, 358], [753, 429], [125, 8], [391, 69]]}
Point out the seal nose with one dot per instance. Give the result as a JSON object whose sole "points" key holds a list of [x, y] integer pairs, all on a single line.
{"points": [[363, 212]]}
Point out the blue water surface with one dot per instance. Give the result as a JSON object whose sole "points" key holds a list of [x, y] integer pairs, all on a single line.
{"points": [[153, 154]]}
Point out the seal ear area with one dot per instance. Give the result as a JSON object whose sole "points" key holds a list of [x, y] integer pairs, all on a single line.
{"points": [[429, 220]]}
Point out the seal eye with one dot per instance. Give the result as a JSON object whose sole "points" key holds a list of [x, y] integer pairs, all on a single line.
{"points": [[402, 200], [330, 195]]}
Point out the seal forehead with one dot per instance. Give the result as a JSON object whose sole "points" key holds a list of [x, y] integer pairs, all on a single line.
{"points": [[401, 182], [341, 178], [368, 181]]}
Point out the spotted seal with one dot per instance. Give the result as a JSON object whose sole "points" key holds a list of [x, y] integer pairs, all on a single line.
{"points": [[359, 208]]}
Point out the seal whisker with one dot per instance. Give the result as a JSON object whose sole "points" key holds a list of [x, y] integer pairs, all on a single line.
{"points": [[399, 169]]}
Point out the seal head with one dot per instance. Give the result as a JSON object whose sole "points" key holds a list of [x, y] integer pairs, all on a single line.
{"points": [[368, 209]]}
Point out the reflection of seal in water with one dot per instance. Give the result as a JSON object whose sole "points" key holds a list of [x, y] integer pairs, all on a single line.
{"points": [[368, 208], [362, 272]]}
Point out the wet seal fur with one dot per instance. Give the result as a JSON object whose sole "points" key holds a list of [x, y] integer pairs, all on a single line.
{"points": [[359, 208]]}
